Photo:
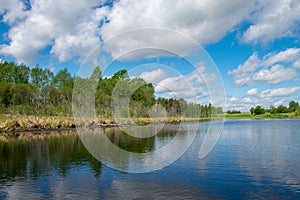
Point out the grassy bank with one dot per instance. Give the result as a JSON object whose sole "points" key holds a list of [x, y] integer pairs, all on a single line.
{"points": [[10, 123], [261, 116]]}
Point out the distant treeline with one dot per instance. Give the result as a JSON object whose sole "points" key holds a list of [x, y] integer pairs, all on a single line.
{"points": [[293, 107], [38, 91]]}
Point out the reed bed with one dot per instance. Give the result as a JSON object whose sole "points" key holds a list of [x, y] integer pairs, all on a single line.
{"points": [[34, 123]]}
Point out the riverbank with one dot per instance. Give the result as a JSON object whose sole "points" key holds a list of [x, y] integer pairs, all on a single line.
{"points": [[261, 116], [9, 123], [22, 123]]}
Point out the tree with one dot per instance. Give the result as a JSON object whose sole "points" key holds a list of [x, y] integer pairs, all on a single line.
{"points": [[41, 77], [120, 75], [11, 72], [21, 74], [97, 74], [273, 110], [5, 94], [297, 113], [63, 79], [259, 110], [282, 109], [293, 106]]}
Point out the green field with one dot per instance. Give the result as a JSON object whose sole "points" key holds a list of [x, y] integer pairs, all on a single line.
{"points": [[261, 116]]}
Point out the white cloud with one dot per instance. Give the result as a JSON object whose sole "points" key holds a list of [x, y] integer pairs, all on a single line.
{"points": [[279, 92], [287, 55], [70, 28], [174, 84], [272, 20], [252, 92], [268, 69], [280, 102], [13, 11], [191, 87], [206, 21], [297, 64], [241, 104], [275, 75], [196, 19], [153, 76], [266, 98]]}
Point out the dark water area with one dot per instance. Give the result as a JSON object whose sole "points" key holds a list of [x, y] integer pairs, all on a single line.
{"points": [[253, 159]]}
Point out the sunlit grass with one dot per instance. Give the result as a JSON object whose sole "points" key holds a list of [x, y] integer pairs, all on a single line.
{"points": [[261, 116], [9, 123]]}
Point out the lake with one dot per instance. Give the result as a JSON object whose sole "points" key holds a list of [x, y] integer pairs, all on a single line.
{"points": [[253, 159]]}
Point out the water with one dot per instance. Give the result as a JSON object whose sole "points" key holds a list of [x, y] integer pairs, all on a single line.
{"points": [[253, 159]]}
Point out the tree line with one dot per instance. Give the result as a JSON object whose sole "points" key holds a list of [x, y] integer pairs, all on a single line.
{"points": [[293, 107], [25, 90], [38, 91]]}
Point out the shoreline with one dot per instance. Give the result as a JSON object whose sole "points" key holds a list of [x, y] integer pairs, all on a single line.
{"points": [[38, 124], [42, 124]]}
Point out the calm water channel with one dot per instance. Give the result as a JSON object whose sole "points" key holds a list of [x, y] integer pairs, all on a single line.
{"points": [[253, 159]]}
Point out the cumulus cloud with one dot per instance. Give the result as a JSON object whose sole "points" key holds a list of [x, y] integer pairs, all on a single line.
{"points": [[265, 98], [175, 84], [69, 28], [191, 87], [272, 20], [279, 92], [13, 10], [206, 21], [240, 103], [252, 92], [297, 64], [72, 28], [288, 55], [153, 76], [268, 69], [275, 75]]}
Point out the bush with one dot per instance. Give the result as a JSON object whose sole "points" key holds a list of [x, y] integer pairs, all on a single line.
{"points": [[297, 113], [258, 110]]}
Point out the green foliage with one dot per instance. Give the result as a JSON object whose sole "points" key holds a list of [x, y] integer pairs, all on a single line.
{"points": [[233, 112], [293, 106], [282, 109], [97, 74], [63, 79], [258, 110], [297, 113], [41, 77], [122, 74], [38, 91], [10, 72]]}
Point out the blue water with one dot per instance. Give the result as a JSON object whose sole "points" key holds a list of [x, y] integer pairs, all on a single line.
{"points": [[253, 159]]}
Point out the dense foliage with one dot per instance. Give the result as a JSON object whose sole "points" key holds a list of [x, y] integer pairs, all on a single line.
{"points": [[293, 107], [38, 91]]}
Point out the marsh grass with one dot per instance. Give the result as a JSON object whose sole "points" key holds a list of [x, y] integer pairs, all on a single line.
{"points": [[17, 123]]}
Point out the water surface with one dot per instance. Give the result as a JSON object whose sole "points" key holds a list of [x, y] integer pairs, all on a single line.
{"points": [[257, 159]]}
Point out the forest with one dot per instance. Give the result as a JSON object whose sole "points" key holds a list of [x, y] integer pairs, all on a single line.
{"points": [[292, 108], [38, 91]]}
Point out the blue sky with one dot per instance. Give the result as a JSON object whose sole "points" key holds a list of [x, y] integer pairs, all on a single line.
{"points": [[254, 44]]}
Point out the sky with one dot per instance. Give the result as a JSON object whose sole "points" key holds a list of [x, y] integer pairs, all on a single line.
{"points": [[253, 45]]}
